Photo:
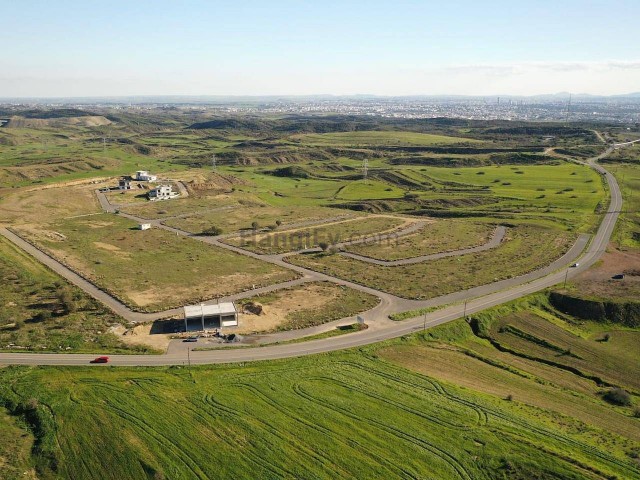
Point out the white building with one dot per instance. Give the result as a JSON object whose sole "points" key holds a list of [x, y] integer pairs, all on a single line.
{"points": [[162, 192], [144, 226], [208, 317], [144, 176]]}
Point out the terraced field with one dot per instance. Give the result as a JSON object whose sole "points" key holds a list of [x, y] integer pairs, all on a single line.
{"points": [[379, 138], [343, 414]]}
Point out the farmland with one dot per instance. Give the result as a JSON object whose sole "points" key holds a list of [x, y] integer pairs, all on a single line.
{"points": [[379, 138], [446, 275], [151, 270]]}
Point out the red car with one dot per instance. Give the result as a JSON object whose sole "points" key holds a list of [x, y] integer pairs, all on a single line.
{"points": [[100, 360]]}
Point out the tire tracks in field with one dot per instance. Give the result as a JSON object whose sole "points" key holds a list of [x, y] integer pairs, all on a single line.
{"points": [[439, 453]]}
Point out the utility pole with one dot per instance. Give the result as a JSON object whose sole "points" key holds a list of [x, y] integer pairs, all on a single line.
{"points": [[424, 324], [104, 143], [566, 275], [365, 169], [213, 162], [465, 310]]}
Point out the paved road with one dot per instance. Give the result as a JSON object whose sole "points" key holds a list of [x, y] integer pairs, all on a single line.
{"points": [[492, 294]]}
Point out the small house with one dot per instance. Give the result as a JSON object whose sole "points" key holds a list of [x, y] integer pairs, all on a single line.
{"points": [[124, 184], [144, 176], [162, 192], [144, 226]]}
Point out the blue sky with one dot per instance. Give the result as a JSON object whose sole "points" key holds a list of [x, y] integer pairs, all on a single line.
{"points": [[76, 48]]}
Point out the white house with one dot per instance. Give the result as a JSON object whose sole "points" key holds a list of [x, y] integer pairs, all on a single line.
{"points": [[144, 226], [162, 192], [144, 176], [208, 317]]}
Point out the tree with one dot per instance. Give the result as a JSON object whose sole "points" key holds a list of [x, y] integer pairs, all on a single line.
{"points": [[65, 297], [323, 246], [212, 230], [278, 222], [254, 225]]}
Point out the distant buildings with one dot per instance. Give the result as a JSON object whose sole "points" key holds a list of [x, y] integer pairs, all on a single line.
{"points": [[162, 192], [144, 176]]}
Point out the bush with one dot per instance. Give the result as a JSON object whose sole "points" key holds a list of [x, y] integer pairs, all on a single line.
{"points": [[618, 396], [213, 230]]}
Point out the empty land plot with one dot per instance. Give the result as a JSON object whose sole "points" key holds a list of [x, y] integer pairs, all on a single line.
{"points": [[152, 269], [379, 138], [524, 249], [305, 418], [41, 312], [330, 233], [234, 220], [305, 306], [44, 204], [181, 206], [439, 236]]}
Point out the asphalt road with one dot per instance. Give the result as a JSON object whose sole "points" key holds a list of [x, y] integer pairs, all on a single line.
{"points": [[491, 295]]}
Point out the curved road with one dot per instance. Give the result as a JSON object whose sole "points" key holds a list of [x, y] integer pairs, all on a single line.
{"points": [[493, 294]]}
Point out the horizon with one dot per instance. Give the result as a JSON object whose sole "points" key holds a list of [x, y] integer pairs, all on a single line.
{"points": [[399, 49]]}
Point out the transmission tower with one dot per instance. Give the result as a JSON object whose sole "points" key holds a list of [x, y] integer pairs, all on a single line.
{"points": [[213, 162]]}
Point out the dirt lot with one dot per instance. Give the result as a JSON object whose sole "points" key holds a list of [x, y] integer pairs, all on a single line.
{"points": [[597, 280], [141, 335]]}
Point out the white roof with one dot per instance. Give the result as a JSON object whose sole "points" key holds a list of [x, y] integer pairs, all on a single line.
{"points": [[225, 308]]}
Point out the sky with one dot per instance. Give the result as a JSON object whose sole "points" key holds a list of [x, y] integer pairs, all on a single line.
{"points": [[68, 48]]}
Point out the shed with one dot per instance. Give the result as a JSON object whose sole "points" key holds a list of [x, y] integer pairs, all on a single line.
{"points": [[208, 317], [144, 226]]}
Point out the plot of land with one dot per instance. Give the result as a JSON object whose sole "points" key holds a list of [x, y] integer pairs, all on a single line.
{"points": [[305, 306], [330, 233], [436, 237], [524, 249], [152, 269], [40, 311], [240, 218]]}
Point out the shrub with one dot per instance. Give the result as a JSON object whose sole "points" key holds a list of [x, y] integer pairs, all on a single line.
{"points": [[213, 230], [618, 396]]}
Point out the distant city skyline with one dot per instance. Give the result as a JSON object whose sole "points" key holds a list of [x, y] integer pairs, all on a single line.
{"points": [[77, 49]]}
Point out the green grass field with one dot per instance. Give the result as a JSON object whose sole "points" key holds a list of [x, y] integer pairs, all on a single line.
{"points": [[524, 249], [627, 232], [440, 236], [152, 270], [351, 414], [379, 138], [41, 312]]}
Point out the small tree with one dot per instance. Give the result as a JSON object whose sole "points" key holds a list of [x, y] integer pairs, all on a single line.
{"points": [[212, 230], [254, 225], [68, 303], [323, 246], [618, 396], [278, 223]]}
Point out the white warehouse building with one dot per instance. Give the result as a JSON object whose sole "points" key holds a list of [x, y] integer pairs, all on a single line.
{"points": [[208, 317], [162, 192]]}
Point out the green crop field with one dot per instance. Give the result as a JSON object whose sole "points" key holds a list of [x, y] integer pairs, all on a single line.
{"points": [[379, 138], [352, 414], [524, 249], [153, 269], [41, 312], [440, 236], [330, 233], [628, 228]]}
